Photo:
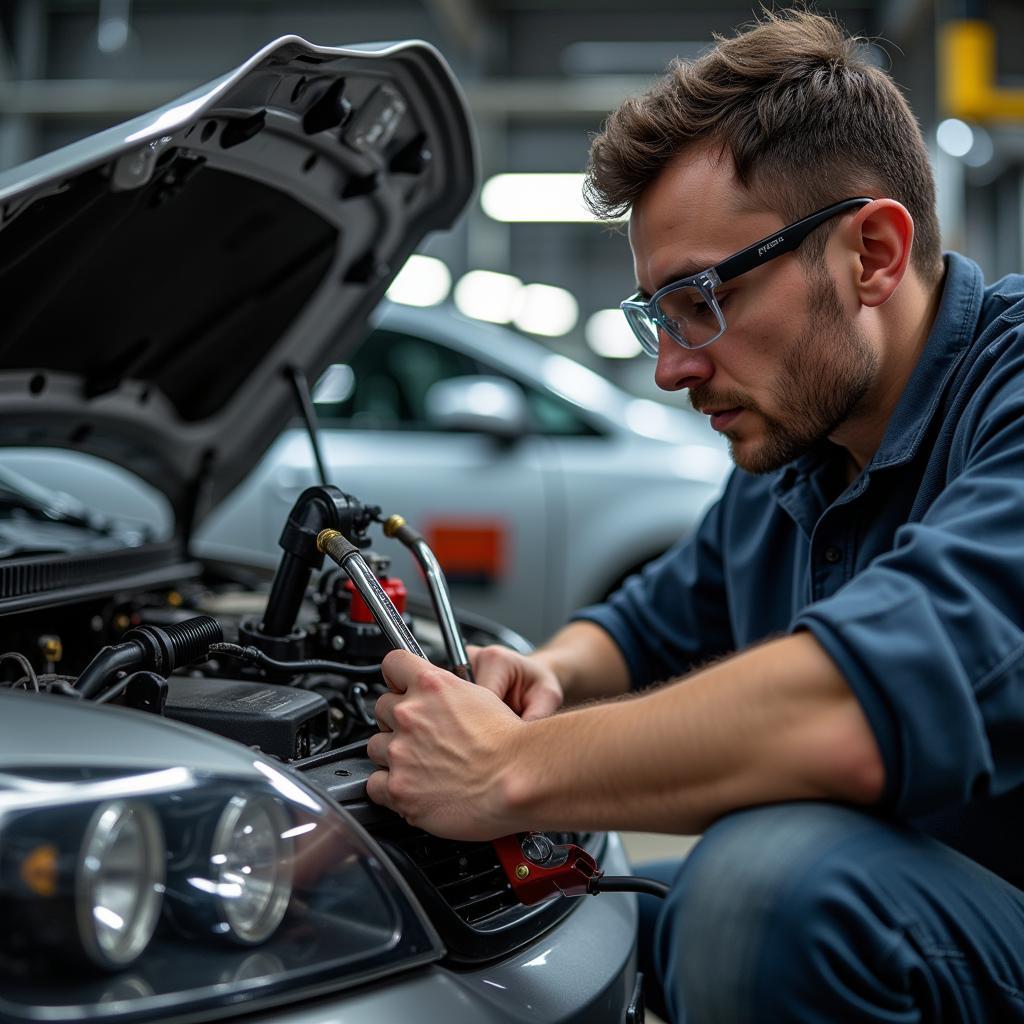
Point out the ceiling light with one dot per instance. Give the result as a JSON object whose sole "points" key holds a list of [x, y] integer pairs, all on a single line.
{"points": [[486, 295], [954, 137], [423, 281], [609, 335], [535, 197], [544, 309]]}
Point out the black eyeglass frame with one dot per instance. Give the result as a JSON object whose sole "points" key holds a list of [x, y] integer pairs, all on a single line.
{"points": [[785, 240]]}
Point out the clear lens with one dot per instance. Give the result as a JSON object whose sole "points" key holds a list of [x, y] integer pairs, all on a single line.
{"points": [[691, 315], [120, 882], [253, 865], [644, 330]]}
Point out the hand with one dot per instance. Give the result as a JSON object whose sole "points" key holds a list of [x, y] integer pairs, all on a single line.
{"points": [[529, 688], [446, 747]]}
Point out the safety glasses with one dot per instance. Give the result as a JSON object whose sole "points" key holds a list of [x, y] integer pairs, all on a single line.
{"points": [[688, 310]]}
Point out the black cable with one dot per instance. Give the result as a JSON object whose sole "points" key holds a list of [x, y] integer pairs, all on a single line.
{"points": [[258, 658], [26, 667], [629, 883]]}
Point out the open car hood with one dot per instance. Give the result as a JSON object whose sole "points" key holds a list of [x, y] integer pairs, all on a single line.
{"points": [[160, 279]]}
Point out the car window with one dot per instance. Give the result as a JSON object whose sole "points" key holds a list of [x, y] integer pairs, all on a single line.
{"points": [[555, 416], [387, 381], [385, 388]]}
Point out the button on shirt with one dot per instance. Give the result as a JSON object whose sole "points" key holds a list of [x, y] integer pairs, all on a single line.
{"points": [[911, 577]]}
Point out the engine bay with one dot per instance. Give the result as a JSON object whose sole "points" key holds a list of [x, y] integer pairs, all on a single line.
{"points": [[293, 673]]}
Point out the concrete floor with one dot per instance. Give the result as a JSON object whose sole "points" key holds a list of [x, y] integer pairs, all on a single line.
{"points": [[647, 846]]}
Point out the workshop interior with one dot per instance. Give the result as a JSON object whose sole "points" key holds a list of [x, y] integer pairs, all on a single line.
{"points": [[222, 224]]}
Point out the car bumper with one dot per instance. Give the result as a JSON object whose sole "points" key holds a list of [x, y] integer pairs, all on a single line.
{"points": [[582, 971]]}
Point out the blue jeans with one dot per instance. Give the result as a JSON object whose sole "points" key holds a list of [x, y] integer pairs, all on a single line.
{"points": [[810, 912]]}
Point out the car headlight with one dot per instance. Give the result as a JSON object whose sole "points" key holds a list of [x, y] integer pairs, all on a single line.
{"points": [[183, 890], [119, 882]]}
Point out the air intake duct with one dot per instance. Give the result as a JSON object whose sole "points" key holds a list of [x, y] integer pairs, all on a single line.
{"points": [[159, 649]]}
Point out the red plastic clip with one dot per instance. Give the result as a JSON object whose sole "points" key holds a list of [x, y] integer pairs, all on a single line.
{"points": [[538, 868]]}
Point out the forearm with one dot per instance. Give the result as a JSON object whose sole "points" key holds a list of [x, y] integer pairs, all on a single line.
{"points": [[772, 724], [587, 662]]}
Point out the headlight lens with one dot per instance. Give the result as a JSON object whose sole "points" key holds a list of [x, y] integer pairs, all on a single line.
{"points": [[119, 882], [200, 889], [252, 854]]}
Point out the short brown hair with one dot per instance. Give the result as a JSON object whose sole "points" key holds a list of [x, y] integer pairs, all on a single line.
{"points": [[807, 120]]}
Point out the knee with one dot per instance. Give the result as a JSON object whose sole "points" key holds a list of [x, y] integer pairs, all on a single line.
{"points": [[765, 884]]}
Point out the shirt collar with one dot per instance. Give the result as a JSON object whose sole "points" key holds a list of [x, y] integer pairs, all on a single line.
{"points": [[954, 328], [952, 332]]}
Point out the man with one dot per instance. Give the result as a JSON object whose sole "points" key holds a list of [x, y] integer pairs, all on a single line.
{"points": [[866, 562]]}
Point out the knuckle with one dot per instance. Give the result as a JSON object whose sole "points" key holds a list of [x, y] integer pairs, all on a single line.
{"points": [[430, 681]]}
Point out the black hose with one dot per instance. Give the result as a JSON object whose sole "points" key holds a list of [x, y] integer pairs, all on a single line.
{"points": [[157, 648], [629, 883], [257, 657]]}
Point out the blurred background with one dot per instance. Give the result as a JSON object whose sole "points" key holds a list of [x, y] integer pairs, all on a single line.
{"points": [[539, 76]]}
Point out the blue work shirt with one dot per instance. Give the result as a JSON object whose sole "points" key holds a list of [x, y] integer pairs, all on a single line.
{"points": [[911, 577]]}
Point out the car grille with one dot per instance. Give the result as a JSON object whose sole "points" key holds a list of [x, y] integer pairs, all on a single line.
{"points": [[467, 876]]}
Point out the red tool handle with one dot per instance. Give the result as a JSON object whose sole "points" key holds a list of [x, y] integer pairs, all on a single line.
{"points": [[538, 868]]}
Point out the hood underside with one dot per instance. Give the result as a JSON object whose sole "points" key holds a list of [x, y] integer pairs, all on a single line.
{"points": [[162, 279]]}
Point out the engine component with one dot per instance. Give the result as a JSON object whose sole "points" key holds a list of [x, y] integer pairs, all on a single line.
{"points": [[281, 720], [332, 543], [317, 508], [157, 648], [397, 527], [256, 657]]}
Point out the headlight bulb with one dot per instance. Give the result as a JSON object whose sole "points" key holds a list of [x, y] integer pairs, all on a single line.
{"points": [[119, 882], [252, 864]]}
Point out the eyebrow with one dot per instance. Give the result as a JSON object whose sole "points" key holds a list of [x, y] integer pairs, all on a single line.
{"points": [[687, 269]]}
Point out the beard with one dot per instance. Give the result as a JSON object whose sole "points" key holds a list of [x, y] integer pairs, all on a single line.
{"points": [[823, 378]]}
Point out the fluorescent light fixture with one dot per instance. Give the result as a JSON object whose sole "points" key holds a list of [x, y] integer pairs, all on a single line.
{"points": [[954, 137], [544, 309], [535, 197], [486, 295], [609, 335], [423, 281]]}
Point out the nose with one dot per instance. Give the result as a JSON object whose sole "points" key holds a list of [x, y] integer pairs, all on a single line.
{"points": [[680, 368]]}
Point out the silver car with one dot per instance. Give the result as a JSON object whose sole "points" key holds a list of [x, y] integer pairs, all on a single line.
{"points": [[539, 484], [184, 829]]}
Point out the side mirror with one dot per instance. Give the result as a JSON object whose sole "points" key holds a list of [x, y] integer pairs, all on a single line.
{"points": [[484, 405]]}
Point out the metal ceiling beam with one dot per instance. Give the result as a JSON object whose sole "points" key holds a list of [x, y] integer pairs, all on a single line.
{"points": [[534, 98], [462, 19]]}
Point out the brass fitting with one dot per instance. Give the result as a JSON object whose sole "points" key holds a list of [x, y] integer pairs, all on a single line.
{"points": [[522, 871], [51, 647], [392, 525], [323, 538]]}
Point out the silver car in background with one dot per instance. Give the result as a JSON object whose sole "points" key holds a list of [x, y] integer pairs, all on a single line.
{"points": [[539, 484]]}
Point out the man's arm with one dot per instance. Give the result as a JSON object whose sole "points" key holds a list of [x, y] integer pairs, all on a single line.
{"points": [[586, 661], [775, 723]]}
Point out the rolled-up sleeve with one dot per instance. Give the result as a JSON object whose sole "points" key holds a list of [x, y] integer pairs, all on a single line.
{"points": [[672, 615], [929, 635]]}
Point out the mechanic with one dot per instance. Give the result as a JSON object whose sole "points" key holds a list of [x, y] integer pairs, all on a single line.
{"points": [[840, 644]]}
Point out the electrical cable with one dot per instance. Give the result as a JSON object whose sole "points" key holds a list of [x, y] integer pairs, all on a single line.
{"points": [[628, 883], [256, 657], [26, 667]]}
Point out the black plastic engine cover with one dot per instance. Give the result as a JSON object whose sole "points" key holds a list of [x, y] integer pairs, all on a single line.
{"points": [[280, 720]]}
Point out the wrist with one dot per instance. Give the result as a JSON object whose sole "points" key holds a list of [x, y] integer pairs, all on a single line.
{"points": [[520, 780]]}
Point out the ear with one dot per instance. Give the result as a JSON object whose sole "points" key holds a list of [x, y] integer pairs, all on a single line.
{"points": [[879, 237]]}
